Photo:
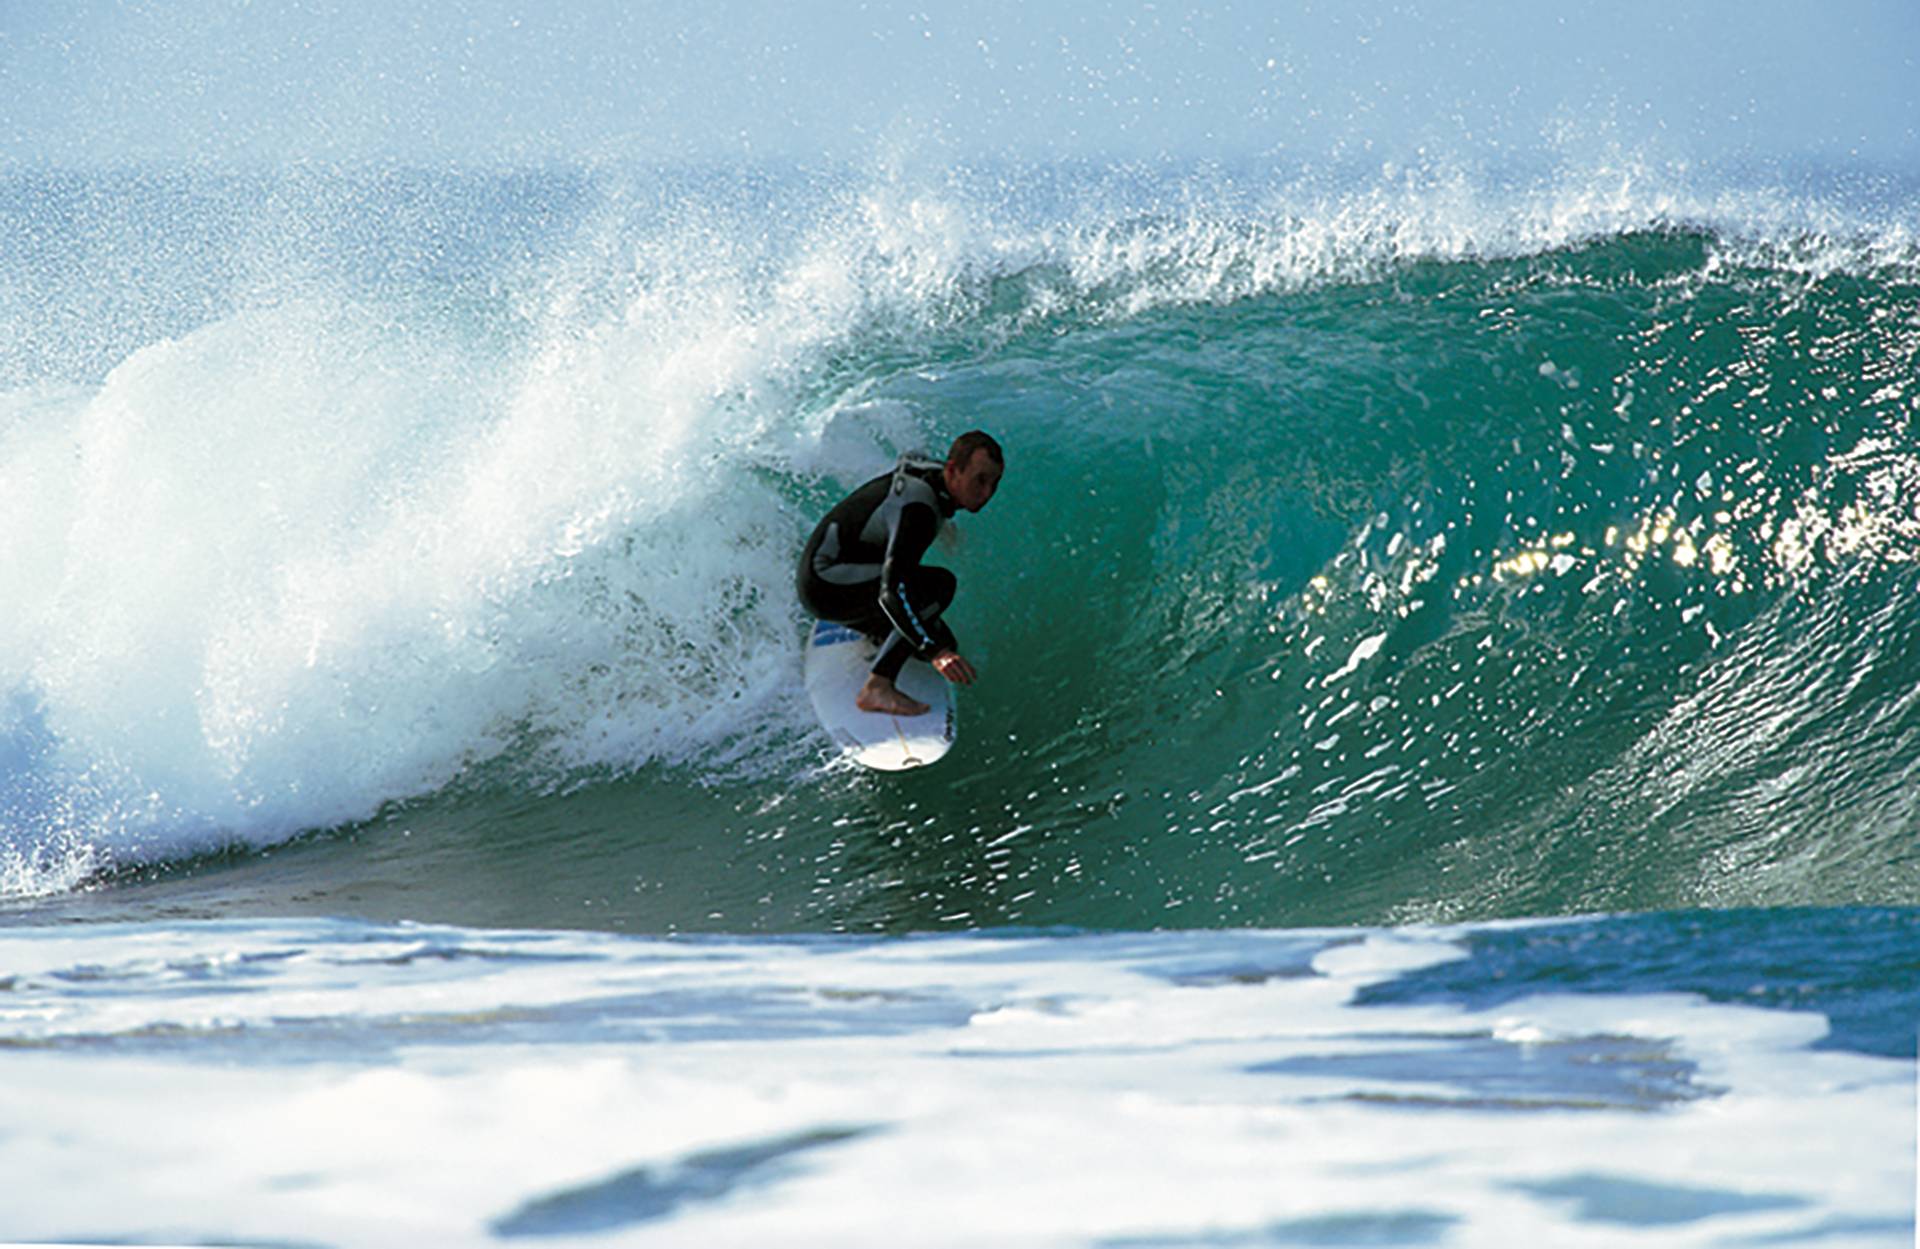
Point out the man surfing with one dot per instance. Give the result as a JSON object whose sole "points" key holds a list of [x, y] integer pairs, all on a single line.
{"points": [[862, 566]]}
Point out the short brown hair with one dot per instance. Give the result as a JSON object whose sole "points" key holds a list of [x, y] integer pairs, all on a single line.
{"points": [[961, 453]]}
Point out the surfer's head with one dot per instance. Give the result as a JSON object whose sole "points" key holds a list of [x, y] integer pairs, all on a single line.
{"points": [[974, 465]]}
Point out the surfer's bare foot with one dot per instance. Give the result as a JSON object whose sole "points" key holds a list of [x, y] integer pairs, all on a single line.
{"points": [[880, 694]]}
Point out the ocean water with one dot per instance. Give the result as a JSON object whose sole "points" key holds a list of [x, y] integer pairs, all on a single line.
{"points": [[1442, 771]]}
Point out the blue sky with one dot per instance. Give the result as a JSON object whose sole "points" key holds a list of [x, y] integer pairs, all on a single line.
{"points": [[488, 82]]}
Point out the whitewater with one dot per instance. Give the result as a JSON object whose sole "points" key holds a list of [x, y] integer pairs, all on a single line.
{"points": [[1441, 772]]}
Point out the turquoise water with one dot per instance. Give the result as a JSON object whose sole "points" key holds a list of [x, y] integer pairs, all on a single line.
{"points": [[400, 713], [1383, 553]]}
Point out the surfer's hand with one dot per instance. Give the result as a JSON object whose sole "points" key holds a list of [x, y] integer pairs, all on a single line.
{"points": [[950, 665]]}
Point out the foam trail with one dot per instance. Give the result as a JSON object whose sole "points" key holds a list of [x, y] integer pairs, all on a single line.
{"points": [[369, 1081]]}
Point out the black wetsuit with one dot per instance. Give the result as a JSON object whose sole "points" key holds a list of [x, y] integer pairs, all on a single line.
{"points": [[862, 566]]}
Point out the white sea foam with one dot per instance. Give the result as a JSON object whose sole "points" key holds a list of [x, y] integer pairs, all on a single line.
{"points": [[299, 563], [369, 1086]]}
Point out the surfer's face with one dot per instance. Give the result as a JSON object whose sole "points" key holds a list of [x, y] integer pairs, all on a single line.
{"points": [[974, 484]]}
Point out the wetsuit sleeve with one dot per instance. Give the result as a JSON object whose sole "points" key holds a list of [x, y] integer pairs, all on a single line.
{"points": [[913, 530]]}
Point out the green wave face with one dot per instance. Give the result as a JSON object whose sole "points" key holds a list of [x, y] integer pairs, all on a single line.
{"points": [[1347, 569], [1573, 582]]}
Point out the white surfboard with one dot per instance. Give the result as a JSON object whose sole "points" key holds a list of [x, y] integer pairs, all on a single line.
{"points": [[837, 662]]}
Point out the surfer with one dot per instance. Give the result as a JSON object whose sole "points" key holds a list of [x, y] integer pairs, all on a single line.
{"points": [[862, 566]]}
